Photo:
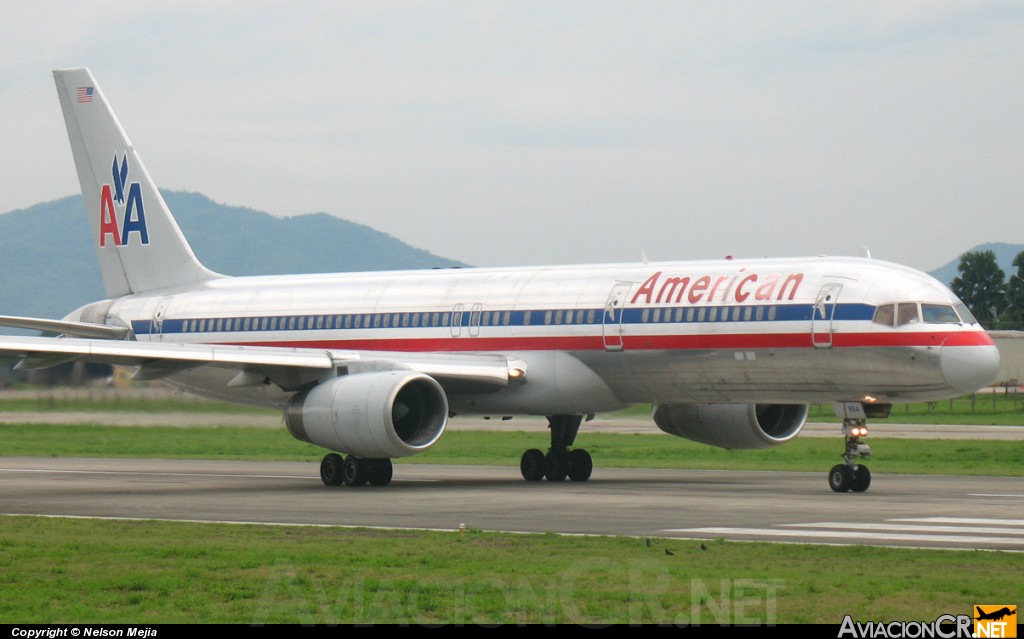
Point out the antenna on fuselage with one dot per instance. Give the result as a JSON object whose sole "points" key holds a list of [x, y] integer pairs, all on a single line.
{"points": [[865, 252]]}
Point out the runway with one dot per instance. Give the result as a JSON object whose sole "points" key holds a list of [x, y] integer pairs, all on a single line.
{"points": [[898, 510]]}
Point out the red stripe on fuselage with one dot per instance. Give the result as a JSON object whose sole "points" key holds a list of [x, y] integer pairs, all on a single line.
{"points": [[640, 342]]}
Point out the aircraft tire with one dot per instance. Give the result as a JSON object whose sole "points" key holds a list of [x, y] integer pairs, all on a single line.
{"points": [[556, 466], [861, 479], [531, 465], [330, 469], [840, 478], [355, 471], [380, 472], [581, 465]]}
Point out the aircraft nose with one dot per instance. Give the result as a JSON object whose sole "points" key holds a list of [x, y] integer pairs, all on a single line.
{"points": [[969, 365]]}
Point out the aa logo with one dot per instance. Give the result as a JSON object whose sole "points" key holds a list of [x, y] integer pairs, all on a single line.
{"points": [[995, 621], [129, 202]]}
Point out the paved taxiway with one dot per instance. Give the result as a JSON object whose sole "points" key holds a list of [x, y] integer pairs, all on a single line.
{"points": [[899, 510]]}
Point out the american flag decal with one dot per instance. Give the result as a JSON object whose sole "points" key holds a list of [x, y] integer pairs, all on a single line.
{"points": [[85, 94]]}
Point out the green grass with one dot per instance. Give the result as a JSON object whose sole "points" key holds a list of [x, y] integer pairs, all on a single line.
{"points": [[998, 408], [994, 409], [45, 401], [956, 457], [90, 571]]}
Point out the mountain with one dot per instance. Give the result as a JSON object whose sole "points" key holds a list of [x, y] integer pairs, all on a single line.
{"points": [[48, 265], [1004, 256]]}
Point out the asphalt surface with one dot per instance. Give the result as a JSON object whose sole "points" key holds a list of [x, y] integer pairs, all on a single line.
{"points": [[898, 510]]}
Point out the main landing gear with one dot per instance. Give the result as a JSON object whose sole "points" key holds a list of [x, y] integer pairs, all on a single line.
{"points": [[851, 475], [354, 471], [559, 463]]}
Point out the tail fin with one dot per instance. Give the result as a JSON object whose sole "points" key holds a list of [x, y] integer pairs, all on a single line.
{"points": [[138, 243]]}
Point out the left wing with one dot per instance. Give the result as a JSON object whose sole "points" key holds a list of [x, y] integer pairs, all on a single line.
{"points": [[283, 366]]}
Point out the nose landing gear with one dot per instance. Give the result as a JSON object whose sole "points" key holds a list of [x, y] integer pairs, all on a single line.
{"points": [[852, 475]]}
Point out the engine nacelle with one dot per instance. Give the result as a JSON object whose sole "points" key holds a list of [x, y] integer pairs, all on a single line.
{"points": [[732, 426], [371, 415]]}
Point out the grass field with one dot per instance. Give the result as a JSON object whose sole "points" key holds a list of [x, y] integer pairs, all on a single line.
{"points": [[919, 456], [1002, 407], [54, 570]]}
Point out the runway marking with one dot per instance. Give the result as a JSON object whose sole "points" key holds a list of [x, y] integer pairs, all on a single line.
{"points": [[149, 473], [1009, 532], [964, 520], [850, 536], [996, 495], [911, 528]]}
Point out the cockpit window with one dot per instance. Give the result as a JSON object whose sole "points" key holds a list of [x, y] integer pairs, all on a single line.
{"points": [[907, 313], [939, 314], [885, 315], [965, 314]]}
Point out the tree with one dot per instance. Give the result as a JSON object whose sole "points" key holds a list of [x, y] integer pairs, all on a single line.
{"points": [[981, 284], [1013, 316]]}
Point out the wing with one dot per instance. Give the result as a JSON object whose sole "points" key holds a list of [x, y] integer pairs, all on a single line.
{"points": [[289, 368]]}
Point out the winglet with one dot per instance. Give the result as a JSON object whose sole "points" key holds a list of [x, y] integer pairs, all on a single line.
{"points": [[137, 240]]}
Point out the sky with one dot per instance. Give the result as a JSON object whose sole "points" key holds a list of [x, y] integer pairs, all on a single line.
{"points": [[528, 133]]}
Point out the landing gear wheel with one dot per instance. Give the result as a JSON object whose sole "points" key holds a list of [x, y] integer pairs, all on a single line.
{"points": [[330, 469], [355, 471], [381, 471], [580, 465], [556, 466], [861, 479], [851, 474], [840, 478], [532, 465]]}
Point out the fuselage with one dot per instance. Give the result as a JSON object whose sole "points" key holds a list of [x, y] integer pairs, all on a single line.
{"points": [[594, 338]]}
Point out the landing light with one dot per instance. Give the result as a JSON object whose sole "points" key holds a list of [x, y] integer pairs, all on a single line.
{"points": [[516, 373], [869, 399], [859, 431]]}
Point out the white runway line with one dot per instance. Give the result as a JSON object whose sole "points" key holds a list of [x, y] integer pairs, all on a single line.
{"points": [[850, 536], [978, 530]]}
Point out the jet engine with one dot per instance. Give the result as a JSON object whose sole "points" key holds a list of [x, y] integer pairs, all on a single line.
{"points": [[371, 415], [732, 426]]}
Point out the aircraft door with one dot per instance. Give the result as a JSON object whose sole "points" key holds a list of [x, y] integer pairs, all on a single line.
{"points": [[156, 327], [611, 323], [823, 315], [456, 324]]}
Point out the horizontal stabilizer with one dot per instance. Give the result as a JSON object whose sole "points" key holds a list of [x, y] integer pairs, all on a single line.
{"points": [[76, 329]]}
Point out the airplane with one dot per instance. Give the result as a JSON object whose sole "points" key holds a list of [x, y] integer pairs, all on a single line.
{"points": [[995, 615], [370, 366]]}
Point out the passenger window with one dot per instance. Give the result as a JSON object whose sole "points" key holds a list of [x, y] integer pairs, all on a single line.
{"points": [[736, 313], [884, 315], [713, 314], [907, 313], [657, 315], [526, 318]]}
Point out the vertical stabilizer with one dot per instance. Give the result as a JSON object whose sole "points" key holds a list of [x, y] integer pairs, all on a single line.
{"points": [[138, 243]]}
